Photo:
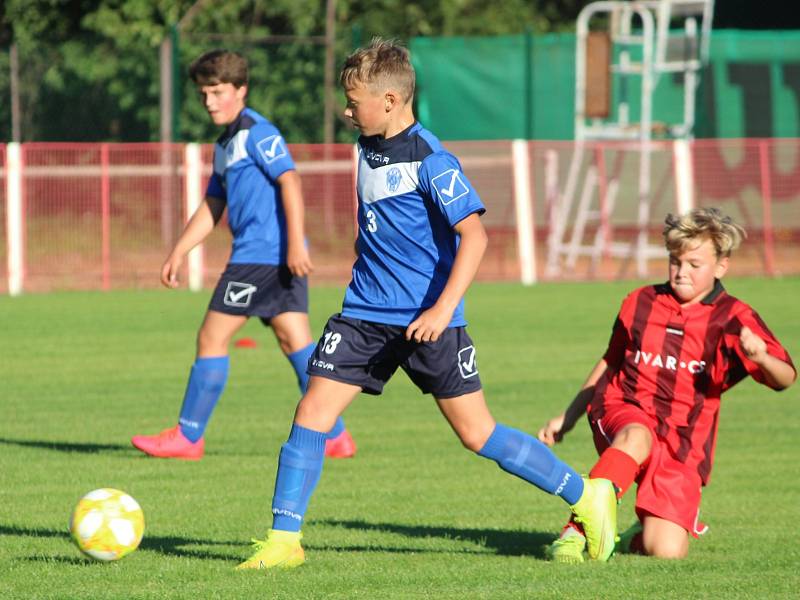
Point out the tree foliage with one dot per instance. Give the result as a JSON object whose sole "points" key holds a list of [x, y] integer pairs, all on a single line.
{"points": [[89, 69]]}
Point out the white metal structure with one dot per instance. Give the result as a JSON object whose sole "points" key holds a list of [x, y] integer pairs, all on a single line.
{"points": [[193, 174], [643, 46], [526, 241], [14, 218]]}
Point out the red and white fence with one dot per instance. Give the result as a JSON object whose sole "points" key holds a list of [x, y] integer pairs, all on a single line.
{"points": [[104, 216]]}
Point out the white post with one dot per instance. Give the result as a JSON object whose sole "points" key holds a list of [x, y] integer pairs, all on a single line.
{"points": [[194, 196], [552, 213], [526, 242], [684, 176], [14, 219]]}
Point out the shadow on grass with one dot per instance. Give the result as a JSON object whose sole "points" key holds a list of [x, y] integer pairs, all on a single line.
{"points": [[85, 448], [500, 542], [503, 542], [63, 560], [168, 545]]}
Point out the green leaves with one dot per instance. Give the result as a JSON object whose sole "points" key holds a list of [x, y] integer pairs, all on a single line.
{"points": [[89, 69]]}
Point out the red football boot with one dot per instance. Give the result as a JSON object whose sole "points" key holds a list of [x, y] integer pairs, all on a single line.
{"points": [[170, 443], [342, 446]]}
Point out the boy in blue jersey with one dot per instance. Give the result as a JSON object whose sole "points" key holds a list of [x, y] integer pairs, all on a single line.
{"points": [[255, 179], [420, 241]]}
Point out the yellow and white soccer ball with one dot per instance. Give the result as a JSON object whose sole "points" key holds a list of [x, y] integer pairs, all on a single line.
{"points": [[107, 524]]}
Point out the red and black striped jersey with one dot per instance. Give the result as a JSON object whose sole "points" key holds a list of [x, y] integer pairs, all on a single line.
{"points": [[676, 361]]}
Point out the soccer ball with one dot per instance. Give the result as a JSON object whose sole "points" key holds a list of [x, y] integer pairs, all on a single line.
{"points": [[107, 524]]}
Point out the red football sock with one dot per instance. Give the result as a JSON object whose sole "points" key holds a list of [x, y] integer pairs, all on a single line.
{"points": [[572, 524], [618, 467]]}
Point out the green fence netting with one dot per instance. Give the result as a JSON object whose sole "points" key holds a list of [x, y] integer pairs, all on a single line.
{"points": [[524, 86]]}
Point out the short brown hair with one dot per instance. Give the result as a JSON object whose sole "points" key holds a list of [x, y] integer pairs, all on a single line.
{"points": [[219, 66], [680, 231], [381, 65]]}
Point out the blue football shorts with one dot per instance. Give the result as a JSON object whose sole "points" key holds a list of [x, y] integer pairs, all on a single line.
{"points": [[367, 354], [259, 291]]}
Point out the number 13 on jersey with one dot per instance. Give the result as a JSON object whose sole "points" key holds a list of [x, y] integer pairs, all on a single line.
{"points": [[331, 341]]}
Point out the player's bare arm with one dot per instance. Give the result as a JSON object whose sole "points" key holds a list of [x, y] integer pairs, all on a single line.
{"points": [[197, 229], [557, 427], [431, 323], [297, 257], [778, 374]]}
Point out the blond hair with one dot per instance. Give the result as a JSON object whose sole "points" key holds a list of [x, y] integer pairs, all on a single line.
{"points": [[700, 224], [219, 66], [382, 65]]}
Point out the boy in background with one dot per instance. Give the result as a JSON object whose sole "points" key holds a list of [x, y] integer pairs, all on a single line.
{"points": [[420, 241], [255, 179], [653, 399]]}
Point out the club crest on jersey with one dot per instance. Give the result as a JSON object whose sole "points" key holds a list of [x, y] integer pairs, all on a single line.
{"points": [[393, 179], [466, 362], [272, 148], [449, 186], [238, 294]]}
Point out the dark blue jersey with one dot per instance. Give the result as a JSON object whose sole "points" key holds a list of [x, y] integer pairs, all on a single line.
{"points": [[411, 193], [248, 159]]}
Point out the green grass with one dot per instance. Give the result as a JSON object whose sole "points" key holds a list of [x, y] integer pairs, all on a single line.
{"points": [[412, 516]]}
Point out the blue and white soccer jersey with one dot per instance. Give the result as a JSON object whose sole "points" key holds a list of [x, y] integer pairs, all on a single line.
{"points": [[411, 193], [248, 159]]}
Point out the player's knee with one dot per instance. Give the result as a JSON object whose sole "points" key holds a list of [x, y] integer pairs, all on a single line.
{"points": [[292, 334], [305, 410], [285, 346], [283, 338], [635, 440], [667, 548], [474, 438], [209, 342], [314, 415]]}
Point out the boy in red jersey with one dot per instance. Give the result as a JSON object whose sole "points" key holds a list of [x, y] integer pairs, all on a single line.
{"points": [[653, 398]]}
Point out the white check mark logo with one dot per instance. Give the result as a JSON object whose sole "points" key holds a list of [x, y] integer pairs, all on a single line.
{"points": [[236, 296], [273, 148], [449, 191], [470, 364]]}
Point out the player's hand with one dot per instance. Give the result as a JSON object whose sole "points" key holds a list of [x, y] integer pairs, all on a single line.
{"points": [[298, 260], [429, 325], [753, 346], [553, 431], [169, 272]]}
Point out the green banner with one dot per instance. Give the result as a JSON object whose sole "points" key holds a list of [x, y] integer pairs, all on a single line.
{"points": [[524, 87]]}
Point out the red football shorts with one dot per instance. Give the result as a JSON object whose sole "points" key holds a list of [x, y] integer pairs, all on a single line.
{"points": [[667, 489]]}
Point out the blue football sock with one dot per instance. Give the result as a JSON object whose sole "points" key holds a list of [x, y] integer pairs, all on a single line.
{"points": [[206, 382], [338, 428], [299, 362], [299, 469], [526, 457]]}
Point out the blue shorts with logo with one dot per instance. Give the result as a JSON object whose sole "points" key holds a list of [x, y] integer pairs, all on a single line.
{"points": [[263, 291], [367, 354]]}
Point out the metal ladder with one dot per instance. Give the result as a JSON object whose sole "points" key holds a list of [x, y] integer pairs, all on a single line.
{"points": [[642, 44]]}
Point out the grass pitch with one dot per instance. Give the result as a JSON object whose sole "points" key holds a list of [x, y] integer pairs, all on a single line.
{"points": [[413, 515]]}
